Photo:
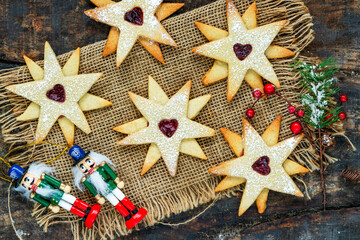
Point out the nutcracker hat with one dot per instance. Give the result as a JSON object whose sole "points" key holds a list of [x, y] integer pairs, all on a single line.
{"points": [[77, 153], [17, 173]]}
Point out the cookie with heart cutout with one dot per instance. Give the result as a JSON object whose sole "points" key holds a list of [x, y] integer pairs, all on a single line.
{"points": [[58, 95], [242, 52], [261, 162], [167, 126], [133, 20]]}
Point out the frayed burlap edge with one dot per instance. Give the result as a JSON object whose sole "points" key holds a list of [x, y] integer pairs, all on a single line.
{"points": [[17, 133]]}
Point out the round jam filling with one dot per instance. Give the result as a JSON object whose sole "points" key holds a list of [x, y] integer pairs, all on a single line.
{"points": [[242, 51], [135, 16], [168, 126], [57, 93], [261, 165]]}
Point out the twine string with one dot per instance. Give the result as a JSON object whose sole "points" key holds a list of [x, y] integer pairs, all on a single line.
{"points": [[305, 186], [193, 218], [4, 161], [9, 165], [10, 215]]}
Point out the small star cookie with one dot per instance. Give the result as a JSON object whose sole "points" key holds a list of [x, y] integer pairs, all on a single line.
{"points": [[58, 94], [243, 52], [167, 125], [133, 20], [262, 163]]}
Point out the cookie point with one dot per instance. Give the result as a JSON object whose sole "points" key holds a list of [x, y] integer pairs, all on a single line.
{"points": [[245, 122], [26, 58], [88, 12], [299, 193], [224, 130], [10, 88], [282, 22], [229, 2], [143, 171], [241, 212], [194, 50]]}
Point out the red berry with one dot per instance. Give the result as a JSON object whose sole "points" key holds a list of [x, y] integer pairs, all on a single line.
{"points": [[250, 113], [328, 116], [295, 127], [291, 109], [269, 89], [342, 116], [300, 113], [257, 93], [343, 98]]}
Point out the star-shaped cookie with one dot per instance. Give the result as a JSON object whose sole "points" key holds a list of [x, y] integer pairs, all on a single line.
{"points": [[270, 136], [167, 126], [261, 166], [133, 20], [58, 94], [243, 52]]}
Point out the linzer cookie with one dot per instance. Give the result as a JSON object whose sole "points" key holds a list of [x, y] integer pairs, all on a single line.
{"points": [[58, 95], [133, 20], [261, 162], [243, 51], [167, 126]]}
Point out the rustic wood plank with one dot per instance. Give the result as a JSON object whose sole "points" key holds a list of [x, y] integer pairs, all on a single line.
{"points": [[25, 25], [333, 224]]}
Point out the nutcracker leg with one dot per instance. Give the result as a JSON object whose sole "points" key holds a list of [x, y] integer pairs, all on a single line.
{"points": [[124, 200], [137, 214], [71, 208], [115, 202], [76, 202]]}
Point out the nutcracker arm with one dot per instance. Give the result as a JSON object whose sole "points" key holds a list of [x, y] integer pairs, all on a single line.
{"points": [[55, 183], [93, 191], [36, 197], [112, 174]]}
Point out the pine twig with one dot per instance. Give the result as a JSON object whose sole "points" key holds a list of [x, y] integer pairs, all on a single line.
{"points": [[322, 178]]}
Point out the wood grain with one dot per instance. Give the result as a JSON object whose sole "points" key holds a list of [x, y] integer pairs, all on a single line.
{"points": [[25, 25]]}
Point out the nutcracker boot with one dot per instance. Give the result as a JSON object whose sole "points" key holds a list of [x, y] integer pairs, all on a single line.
{"points": [[137, 214], [80, 208]]}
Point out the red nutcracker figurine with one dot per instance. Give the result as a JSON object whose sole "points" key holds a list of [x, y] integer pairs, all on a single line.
{"points": [[95, 172], [35, 184]]}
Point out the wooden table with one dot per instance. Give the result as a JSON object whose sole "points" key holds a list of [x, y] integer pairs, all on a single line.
{"points": [[26, 25]]}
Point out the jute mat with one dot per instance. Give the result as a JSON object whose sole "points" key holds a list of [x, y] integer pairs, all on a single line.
{"points": [[159, 193]]}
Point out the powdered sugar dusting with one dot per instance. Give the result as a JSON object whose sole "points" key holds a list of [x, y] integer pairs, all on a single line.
{"points": [[175, 108], [255, 148], [259, 38], [74, 86], [113, 15]]}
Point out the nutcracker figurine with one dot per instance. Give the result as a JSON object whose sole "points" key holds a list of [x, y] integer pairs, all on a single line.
{"points": [[95, 172], [35, 183]]}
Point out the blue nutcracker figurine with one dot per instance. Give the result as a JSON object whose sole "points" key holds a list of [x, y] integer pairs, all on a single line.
{"points": [[35, 184], [95, 172]]}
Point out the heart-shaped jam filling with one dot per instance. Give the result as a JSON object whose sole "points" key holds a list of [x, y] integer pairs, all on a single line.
{"points": [[261, 166], [242, 51], [168, 127], [135, 16], [57, 93]]}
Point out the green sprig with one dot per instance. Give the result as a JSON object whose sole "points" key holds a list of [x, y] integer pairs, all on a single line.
{"points": [[320, 90]]}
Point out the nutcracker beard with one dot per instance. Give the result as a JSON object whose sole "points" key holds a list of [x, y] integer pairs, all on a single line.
{"points": [[99, 184], [36, 168], [95, 178]]}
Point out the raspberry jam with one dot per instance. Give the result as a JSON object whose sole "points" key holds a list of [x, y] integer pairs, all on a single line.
{"points": [[261, 166], [57, 93], [242, 51], [168, 127], [135, 16]]}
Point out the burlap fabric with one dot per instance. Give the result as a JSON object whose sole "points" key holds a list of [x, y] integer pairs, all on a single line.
{"points": [[159, 193]]}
